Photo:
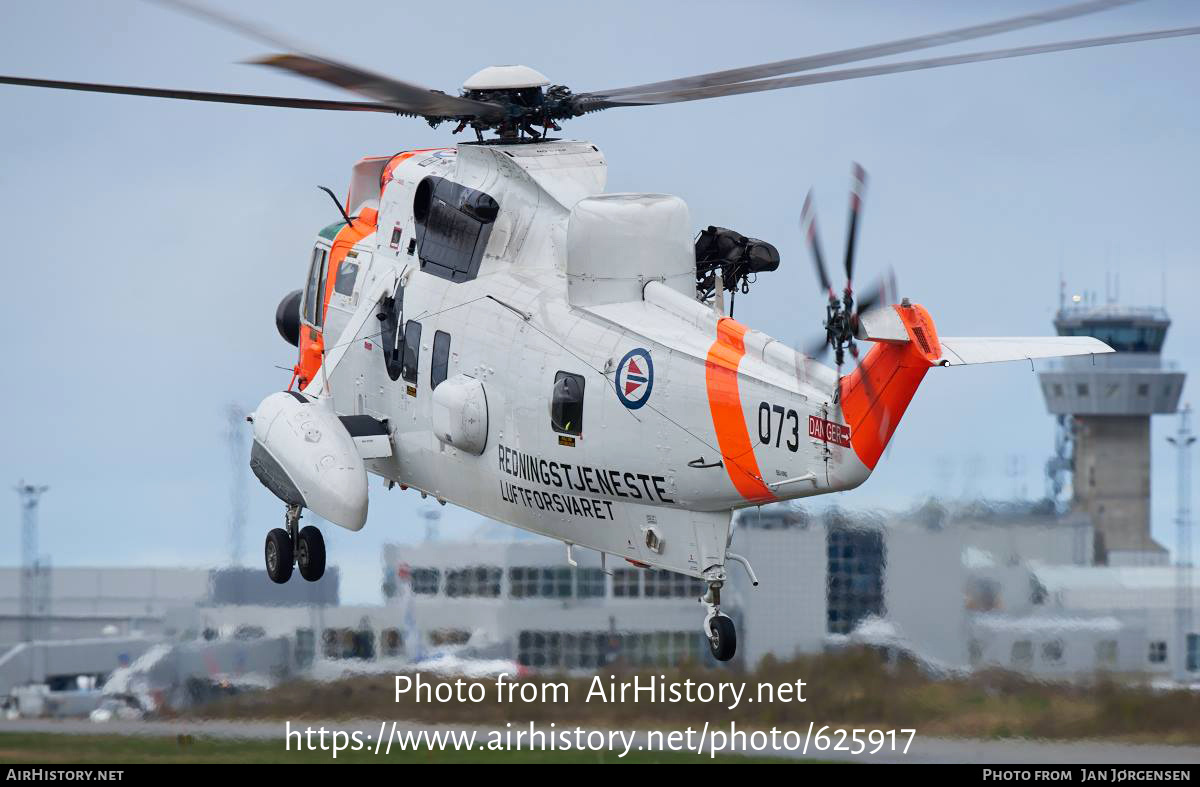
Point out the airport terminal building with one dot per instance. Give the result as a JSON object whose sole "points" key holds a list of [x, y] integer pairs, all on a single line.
{"points": [[958, 587]]}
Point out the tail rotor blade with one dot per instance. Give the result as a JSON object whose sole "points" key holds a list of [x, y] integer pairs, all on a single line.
{"points": [[808, 225], [816, 348], [862, 373], [881, 292], [858, 188]]}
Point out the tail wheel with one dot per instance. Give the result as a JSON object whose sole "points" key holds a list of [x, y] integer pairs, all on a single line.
{"points": [[310, 553], [278, 552], [722, 638]]}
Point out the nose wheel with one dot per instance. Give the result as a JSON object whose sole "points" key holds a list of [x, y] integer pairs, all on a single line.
{"points": [[293, 547], [718, 627]]}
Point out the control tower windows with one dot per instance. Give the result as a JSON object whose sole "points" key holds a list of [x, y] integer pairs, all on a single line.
{"points": [[1121, 335]]}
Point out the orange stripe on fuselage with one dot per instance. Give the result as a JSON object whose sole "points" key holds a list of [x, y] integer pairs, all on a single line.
{"points": [[386, 176], [312, 342], [729, 420], [343, 242]]}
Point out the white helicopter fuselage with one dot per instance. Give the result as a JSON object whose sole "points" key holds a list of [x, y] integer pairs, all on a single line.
{"points": [[661, 456], [534, 350]]}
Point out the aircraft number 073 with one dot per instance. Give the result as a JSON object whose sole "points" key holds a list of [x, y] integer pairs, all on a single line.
{"points": [[774, 422]]}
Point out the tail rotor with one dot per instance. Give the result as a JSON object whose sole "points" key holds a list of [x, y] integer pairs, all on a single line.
{"points": [[842, 313]]}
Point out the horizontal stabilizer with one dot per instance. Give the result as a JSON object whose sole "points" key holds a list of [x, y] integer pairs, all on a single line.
{"points": [[959, 351]]}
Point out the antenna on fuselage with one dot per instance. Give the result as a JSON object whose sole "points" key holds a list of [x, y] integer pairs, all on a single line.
{"points": [[337, 202]]}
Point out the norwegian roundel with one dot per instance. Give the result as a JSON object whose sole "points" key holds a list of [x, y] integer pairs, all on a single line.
{"points": [[635, 378]]}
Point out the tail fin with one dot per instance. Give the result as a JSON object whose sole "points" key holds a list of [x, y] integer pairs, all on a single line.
{"points": [[875, 395]]}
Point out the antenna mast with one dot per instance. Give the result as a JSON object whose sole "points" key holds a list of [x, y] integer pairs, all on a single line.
{"points": [[1186, 660], [235, 440], [33, 595]]}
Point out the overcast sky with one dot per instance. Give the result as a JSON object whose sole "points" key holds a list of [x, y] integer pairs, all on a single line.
{"points": [[148, 241]]}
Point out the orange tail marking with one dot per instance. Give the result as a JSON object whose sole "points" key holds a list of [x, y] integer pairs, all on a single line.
{"points": [[725, 403], [874, 406]]}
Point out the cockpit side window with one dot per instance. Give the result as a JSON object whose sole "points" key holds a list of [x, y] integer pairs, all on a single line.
{"points": [[346, 274], [314, 292], [566, 408]]}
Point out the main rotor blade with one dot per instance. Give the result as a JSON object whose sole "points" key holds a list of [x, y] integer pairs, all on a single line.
{"points": [[197, 95], [735, 75], [221, 19], [672, 97], [402, 95], [858, 187], [808, 226]]}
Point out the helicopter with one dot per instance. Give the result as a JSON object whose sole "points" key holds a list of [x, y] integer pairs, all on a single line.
{"points": [[490, 328]]}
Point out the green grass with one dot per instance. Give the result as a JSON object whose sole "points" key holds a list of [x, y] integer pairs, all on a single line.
{"points": [[848, 688], [56, 749]]}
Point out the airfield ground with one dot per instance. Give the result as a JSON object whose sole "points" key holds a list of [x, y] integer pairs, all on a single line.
{"points": [[984, 718], [850, 688], [53, 748]]}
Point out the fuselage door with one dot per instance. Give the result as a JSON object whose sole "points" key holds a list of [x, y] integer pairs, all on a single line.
{"points": [[313, 312], [312, 316]]}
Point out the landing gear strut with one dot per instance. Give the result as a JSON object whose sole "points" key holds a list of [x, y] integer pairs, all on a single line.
{"points": [[292, 547], [718, 627]]}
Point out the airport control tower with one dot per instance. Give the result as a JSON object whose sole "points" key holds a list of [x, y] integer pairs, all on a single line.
{"points": [[1104, 406]]}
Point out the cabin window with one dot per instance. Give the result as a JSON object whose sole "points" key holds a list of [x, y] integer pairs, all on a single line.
{"points": [[441, 359], [566, 409], [315, 291], [453, 224], [412, 350], [425, 581], [347, 272]]}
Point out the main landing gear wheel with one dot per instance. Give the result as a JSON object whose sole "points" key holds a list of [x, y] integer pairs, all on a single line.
{"points": [[279, 555], [310, 553], [722, 638], [718, 628]]}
